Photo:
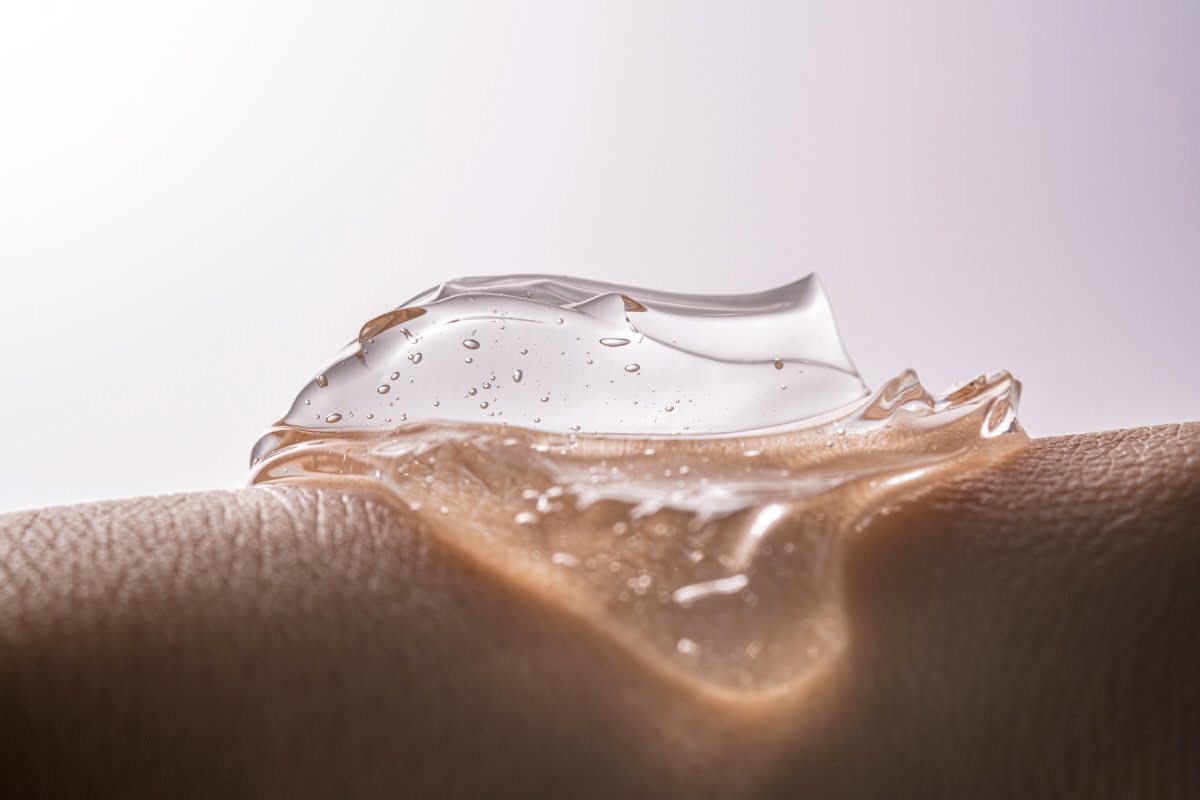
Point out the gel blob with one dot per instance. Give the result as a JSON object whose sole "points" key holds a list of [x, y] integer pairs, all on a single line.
{"points": [[681, 469]]}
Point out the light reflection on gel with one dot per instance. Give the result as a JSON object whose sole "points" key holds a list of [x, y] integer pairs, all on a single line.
{"points": [[681, 469]]}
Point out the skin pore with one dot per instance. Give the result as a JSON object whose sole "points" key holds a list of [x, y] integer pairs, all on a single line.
{"points": [[1024, 631]]}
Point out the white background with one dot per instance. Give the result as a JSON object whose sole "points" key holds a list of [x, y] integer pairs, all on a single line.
{"points": [[200, 202]]}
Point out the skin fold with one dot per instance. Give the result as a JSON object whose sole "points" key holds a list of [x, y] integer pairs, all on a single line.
{"points": [[1025, 631]]}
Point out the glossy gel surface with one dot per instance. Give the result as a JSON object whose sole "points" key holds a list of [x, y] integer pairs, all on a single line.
{"points": [[682, 470]]}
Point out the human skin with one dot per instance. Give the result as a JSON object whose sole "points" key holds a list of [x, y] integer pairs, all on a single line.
{"points": [[1024, 631]]}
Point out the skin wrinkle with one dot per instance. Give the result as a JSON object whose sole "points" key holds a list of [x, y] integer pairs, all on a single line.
{"points": [[1021, 632]]}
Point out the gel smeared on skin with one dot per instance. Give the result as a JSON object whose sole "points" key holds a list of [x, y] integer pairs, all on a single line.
{"points": [[682, 469]]}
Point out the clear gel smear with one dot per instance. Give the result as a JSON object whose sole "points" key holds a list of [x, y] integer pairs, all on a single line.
{"points": [[682, 469]]}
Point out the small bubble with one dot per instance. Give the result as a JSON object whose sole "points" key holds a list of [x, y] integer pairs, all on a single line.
{"points": [[526, 518], [322, 381], [436, 403], [778, 364], [383, 388], [632, 367], [686, 646], [370, 416], [469, 360], [517, 376], [472, 391], [332, 418], [537, 419], [564, 559], [414, 358], [470, 344], [487, 385], [589, 361], [668, 408], [545, 398], [614, 342], [559, 320], [524, 351], [308, 402], [395, 376], [483, 404]]}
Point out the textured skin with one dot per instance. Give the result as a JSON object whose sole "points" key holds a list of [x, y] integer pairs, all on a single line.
{"points": [[1028, 631], [1031, 631]]}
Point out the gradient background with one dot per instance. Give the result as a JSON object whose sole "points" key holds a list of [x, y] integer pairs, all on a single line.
{"points": [[200, 202]]}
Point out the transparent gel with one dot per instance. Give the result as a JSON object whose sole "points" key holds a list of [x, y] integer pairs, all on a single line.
{"points": [[680, 470]]}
